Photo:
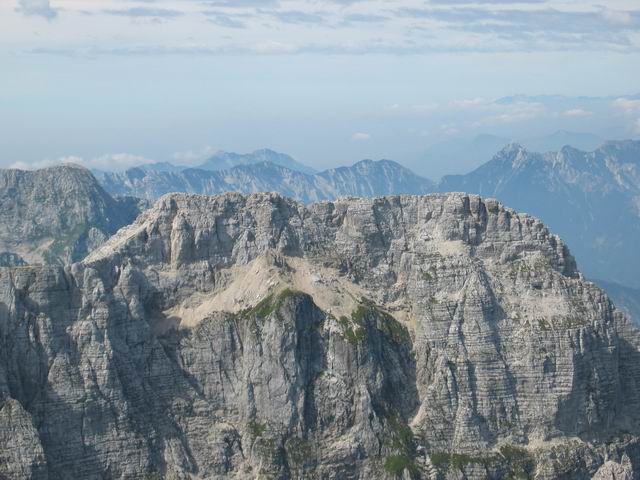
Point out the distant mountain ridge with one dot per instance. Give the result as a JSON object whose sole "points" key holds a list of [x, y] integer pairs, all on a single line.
{"points": [[224, 161], [365, 178], [228, 160], [563, 138], [591, 199], [461, 155]]}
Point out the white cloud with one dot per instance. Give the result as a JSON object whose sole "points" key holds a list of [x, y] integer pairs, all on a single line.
{"points": [[111, 162], [617, 17], [116, 161], [511, 113], [449, 129], [421, 108], [473, 103], [194, 157], [267, 27], [360, 137], [270, 47], [21, 165], [64, 160], [576, 113], [41, 8], [425, 107], [631, 108], [627, 105]]}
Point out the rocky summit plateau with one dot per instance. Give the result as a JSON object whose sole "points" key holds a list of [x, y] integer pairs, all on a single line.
{"points": [[419, 337]]}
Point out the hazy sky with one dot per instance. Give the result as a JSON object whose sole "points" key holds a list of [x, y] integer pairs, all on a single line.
{"points": [[115, 82]]}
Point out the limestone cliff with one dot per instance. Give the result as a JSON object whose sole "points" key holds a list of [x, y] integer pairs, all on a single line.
{"points": [[592, 199], [440, 336], [56, 215]]}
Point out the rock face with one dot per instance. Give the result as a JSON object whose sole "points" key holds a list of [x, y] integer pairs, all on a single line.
{"points": [[9, 259], [591, 199], [365, 178], [626, 299], [56, 215], [235, 336]]}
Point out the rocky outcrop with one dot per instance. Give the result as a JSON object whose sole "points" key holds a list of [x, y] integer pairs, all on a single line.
{"points": [[441, 336], [626, 299], [9, 259], [56, 215]]}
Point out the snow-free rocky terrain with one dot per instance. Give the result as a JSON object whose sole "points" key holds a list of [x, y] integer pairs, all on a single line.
{"points": [[438, 336], [592, 199], [57, 215]]}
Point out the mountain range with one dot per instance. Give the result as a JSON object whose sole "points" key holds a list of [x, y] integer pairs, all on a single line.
{"points": [[423, 336], [365, 178], [591, 199], [236, 337], [462, 155]]}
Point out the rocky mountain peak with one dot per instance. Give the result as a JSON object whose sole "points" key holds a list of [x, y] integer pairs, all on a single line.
{"points": [[181, 231], [240, 335], [383, 163], [515, 154], [57, 214], [590, 198]]}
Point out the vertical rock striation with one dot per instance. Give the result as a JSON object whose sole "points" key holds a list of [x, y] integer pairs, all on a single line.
{"points": [[439, 336]]}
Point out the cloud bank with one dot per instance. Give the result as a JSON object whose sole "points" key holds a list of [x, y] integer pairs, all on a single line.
{"points": [[40, 8], [401, 27]]}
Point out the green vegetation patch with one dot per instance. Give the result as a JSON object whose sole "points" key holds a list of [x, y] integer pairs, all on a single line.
{"points": [[403, 447], [517, 461], [256, 429], [402, 436], [298, 450], [396, 464], [520, 463], [355, 328], [152, 476], [544, 325], [430, 275], [268, 304], [353, 332], [363, 310], [394, 329]]}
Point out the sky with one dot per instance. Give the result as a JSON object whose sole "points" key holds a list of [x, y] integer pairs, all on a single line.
{"points": [[115, 83]]}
